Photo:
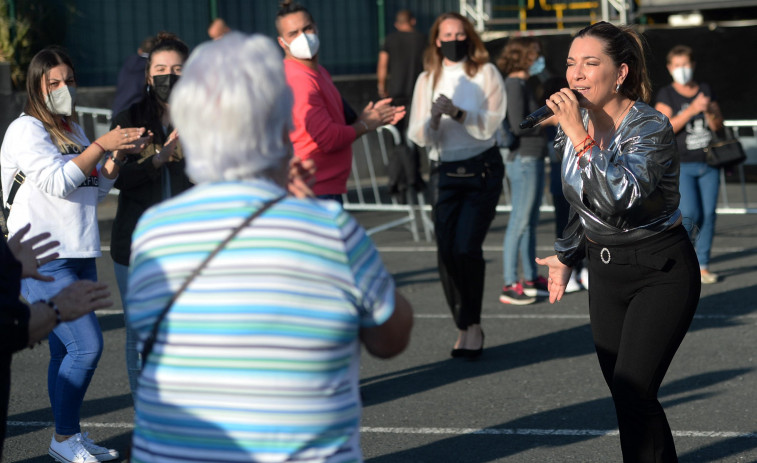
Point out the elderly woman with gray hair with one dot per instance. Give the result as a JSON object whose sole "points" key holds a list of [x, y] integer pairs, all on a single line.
{"points": [[255, 302]]}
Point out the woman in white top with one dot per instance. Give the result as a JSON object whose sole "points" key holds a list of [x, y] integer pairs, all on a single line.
{"points": [[458, 104], [61, 181]]}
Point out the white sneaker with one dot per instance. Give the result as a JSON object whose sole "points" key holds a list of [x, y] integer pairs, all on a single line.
{"points": [[101, 453], [574, 285], [585, 277], [70, 450]]}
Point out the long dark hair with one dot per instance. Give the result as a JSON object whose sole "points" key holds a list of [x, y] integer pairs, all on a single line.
{"points": [[477, 54], [624, 45], [164, 41], [58, 126]]}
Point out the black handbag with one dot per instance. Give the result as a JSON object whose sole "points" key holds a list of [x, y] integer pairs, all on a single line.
{"points": [[725, 152]]}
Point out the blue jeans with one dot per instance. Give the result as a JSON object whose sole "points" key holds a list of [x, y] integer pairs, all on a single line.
{"points": [[75, 346], [526, 176], [699, 185], [133, 363], [337, 198]]}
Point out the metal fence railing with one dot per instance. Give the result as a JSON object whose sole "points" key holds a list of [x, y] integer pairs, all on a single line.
{"points": [[367, 184]]}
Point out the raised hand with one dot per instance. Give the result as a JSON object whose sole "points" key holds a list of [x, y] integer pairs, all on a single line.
{"points": [[81, 297], [301, 177], [29, 255]]}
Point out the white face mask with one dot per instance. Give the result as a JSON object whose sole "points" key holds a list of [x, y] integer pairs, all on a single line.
{"points": [[305, 46], [682, 75], [61, 101]]}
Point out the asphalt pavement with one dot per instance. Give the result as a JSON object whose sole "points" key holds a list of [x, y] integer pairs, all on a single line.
{"points": [[536, 394]]}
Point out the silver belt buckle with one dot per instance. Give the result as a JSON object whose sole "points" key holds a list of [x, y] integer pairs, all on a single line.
{"points": [[602, 256]]}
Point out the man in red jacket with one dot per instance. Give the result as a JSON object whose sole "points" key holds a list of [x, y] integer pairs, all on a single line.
{"points": [[323, 129]]}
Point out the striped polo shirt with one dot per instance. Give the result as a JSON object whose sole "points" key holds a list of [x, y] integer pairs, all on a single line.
{"points": [[258, 359]]}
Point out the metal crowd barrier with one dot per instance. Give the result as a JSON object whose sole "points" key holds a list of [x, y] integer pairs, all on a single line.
{"points": [[368, 179], [366, 190]]}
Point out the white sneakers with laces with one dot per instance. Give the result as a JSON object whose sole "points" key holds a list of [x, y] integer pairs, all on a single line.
{"points": [[79, 449], [101, 453]]}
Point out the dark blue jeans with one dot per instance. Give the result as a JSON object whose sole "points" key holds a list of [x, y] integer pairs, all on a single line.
{"points": [[75, 346]]}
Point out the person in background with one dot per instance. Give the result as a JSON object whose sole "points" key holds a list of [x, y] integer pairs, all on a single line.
{"points": [[695, 115], [280, 312], [152, 171], [525, 172], [63, 181], [401, 59], [21, 324], [218, 29], [620, 176], [322, 131], [579, 279], [458, 105], [131, 77]]}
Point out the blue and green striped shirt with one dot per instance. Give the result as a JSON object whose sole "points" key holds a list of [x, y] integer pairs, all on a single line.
{"points": [[258, 359]]}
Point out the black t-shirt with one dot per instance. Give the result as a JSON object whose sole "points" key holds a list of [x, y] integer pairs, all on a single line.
{"points": [[696, 134], [405, 63]]}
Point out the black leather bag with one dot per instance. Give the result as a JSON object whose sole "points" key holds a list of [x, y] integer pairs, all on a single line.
{"points": [[725, 151], [468, 174]]}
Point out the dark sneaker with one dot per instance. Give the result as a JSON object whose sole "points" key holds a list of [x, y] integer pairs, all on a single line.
{"points": [[537, 287], [514, 294]]}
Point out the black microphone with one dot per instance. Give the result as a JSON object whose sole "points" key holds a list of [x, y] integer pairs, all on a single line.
{"points": [[542, 114]]}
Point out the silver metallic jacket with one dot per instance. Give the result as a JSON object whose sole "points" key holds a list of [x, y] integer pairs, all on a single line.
{"points": [[624, 193]]}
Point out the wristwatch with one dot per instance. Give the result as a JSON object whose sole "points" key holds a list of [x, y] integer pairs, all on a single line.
{"points": [[118, 162], [459, 115]]}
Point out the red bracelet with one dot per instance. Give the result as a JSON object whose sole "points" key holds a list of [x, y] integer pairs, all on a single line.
{"points": [[584, 150], [101, 146], [583, 142]]}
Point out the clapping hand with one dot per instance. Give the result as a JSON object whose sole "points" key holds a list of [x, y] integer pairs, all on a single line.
{"points": [[82, 297], [168, 153], [301, 178], [29, 256]]}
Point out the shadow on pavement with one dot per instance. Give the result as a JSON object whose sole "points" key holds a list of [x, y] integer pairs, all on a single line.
{"points": [[571, 342], [90, 408], [542, 430]]}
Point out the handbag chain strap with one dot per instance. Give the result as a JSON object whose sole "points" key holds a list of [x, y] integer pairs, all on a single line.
{"points": [[150, 341]]}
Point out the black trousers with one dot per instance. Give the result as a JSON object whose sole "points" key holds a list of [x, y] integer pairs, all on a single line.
{"points": [[461, 222], [642, 299]]}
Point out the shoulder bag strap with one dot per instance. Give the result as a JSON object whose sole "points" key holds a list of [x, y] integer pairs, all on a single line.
{"points": [[150, 341], [17, 181]]}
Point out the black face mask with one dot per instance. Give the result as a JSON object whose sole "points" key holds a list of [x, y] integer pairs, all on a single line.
{"points": [[455, 50], [162, 85]]}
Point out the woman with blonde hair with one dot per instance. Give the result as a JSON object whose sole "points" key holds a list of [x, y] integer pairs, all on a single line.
{"points": [[458, 105]]}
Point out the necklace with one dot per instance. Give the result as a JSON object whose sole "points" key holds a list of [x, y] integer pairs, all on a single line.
{"points": [[615, 123], [601, 139]]}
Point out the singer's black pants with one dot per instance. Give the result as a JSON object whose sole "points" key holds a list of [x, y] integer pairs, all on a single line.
{"points": [[461, 221], [642, 299]]}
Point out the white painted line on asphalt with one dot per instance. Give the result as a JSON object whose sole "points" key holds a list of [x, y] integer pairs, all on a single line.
{"points": [[432, 248], [450, 431], [716, 250], [520, 316], [548, 432], [581, 317]]}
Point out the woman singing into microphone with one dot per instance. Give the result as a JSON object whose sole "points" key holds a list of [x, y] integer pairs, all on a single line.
{"points": [[620, 174]]}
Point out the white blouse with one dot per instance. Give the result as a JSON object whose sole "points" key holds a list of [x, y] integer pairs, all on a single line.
{"points": [[483, 99]]}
